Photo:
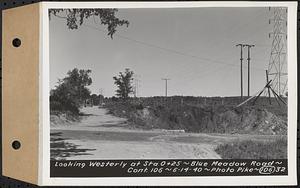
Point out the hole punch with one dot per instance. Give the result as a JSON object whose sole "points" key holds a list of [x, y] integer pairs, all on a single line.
{"points": [[16, 42], [16, 145]]}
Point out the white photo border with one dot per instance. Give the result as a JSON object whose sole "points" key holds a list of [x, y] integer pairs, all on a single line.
{"points": [[44, 134]]}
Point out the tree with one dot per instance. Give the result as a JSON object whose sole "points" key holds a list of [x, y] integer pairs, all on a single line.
{"points": [[71, 91], [76, 17], [97, 99], [124, 84]]}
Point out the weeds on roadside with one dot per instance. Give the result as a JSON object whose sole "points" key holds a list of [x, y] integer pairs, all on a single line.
{"points": [[251, 149]]}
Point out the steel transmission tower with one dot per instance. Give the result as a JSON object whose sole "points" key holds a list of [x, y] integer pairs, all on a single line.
{"points": [[277, 69]]}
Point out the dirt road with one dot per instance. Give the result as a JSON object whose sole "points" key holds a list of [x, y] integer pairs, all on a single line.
{"points": [[102, 136]]}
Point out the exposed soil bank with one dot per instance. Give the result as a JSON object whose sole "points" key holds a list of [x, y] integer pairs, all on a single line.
{"points": [[208, 119], [99, 135], [103, 136], [63, 119]]}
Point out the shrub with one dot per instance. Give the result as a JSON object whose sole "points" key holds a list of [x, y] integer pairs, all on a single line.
{"points": [[251, 149], [71, 92]]}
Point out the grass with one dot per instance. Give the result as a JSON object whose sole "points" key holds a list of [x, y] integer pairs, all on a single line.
{"points": [[251, 149], [192, 116]]}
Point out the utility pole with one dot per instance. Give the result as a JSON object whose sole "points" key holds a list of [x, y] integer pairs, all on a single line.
{"points": [[249, 46], [166, 80], [135, 88], [136, 85], [101, 96], [241, 45]]}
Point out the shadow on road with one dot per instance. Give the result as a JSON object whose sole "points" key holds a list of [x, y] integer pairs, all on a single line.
{"points": [[61, 149]]}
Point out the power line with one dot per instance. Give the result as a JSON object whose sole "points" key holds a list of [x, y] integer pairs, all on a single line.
{"points": [[239, 27], [170, 50], [201, 75], [181, 53]]}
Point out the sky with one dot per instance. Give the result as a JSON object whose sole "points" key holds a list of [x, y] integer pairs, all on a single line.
{"points": [[193, 47]]}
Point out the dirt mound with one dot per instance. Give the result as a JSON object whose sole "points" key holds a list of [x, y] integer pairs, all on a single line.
{"points": [[220, 119], [253, 121], [262, 121], [62, 119], [200, 118]]}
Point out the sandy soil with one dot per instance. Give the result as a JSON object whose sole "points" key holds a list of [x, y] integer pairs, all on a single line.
{"points": [[102, 136]]}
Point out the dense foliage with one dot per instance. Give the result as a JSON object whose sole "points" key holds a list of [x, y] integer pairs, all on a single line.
{"points": [[96, 99], [71, 91], [76, 17], [124, 84]]}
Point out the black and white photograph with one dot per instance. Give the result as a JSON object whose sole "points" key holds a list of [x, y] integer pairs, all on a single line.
{"points": [[171, 83], [149, 93]]}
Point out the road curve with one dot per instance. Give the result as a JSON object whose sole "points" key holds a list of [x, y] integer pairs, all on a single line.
{"points": [[100, 135]]}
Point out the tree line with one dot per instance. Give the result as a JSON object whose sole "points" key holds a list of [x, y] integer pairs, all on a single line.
{"points": [[72, 93]]}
